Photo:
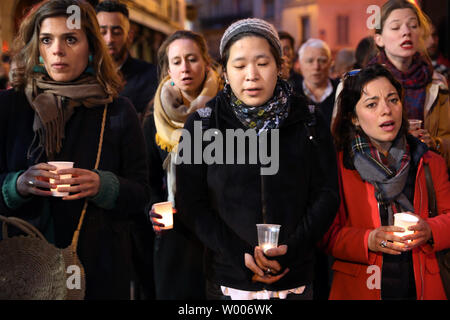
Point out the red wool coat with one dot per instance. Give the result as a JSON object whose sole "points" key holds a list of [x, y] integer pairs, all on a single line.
{"points": [[358, 215]]}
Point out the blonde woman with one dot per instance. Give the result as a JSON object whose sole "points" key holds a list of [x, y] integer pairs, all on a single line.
{"points": [[187, 83]]}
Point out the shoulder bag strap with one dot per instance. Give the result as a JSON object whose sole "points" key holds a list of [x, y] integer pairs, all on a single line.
{"points": [[432, 206], [76, 234]]}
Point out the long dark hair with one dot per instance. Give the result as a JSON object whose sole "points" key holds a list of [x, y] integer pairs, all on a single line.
{"points": [[344, 130]]}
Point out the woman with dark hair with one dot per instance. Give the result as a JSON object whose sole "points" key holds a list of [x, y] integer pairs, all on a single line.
{"points": [[222, 201], [400, 40], [187, 83], [365, 51], [65, 91], [381, 170]]}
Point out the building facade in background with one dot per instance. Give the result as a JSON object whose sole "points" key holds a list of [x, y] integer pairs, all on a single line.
{"points": [[341, 23]]}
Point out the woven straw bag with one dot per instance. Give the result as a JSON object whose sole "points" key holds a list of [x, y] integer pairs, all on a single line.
{"points": [[31, 268]]}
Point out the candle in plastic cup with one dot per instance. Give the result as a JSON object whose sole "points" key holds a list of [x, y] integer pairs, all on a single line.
{"points": [[61, 165], [415, 124], [165, 210], [404, 220], [268, 236]]}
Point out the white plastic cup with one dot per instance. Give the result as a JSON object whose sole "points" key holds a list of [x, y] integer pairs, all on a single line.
{"points": [[61, 165], [165, 210], [404, 220], [414, 124], [268, 236]]}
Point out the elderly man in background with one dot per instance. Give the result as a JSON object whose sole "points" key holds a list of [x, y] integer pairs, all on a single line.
{"points": [[316, 84]]}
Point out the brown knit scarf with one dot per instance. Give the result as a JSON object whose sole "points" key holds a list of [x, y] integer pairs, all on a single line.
{"points": [[170, 112], [54, 103]]}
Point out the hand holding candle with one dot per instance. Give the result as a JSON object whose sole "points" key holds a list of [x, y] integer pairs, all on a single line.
{"points": [[418, 233], [404, 220], [161, 216], [266, 270], [59, 166], [415, 124], [35, 180], [268, 236]]}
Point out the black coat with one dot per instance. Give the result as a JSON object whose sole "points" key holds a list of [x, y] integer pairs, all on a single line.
{"points": [[141, 81], [223, 203], [104, 241]]}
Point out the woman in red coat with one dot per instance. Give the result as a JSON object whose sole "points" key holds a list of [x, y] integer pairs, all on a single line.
{"points": [[381, 169]]}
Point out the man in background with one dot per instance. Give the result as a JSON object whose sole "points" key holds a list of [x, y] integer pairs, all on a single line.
{"points": [[440, 64], [316, 84], [140, 77], [287, 69]]}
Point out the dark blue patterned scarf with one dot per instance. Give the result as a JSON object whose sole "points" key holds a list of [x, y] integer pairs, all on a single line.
{"points": [[267, 116]]}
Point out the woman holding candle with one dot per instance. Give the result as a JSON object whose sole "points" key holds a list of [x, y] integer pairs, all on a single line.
{"points": [[223, 202], [400, 39], [381, 170], [187, 82], [65, 87]]}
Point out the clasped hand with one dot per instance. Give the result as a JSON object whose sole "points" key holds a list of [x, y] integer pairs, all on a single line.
{"points": [[36, 181], [265, 270]]}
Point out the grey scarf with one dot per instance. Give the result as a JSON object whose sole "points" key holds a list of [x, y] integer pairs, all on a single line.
{"points": [[389, 180]]}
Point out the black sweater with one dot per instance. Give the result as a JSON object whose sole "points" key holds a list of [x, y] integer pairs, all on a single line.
{"points": [[141, 81], [223, 203]]}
